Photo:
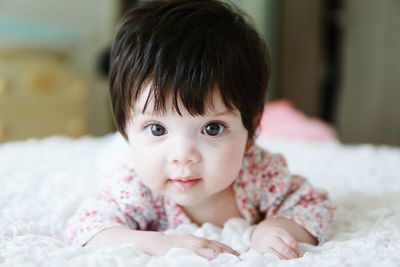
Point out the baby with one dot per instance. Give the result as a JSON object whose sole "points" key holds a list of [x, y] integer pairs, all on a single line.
{"points": [[187, 84]]}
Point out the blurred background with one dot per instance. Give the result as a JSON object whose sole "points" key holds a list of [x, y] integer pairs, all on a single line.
{"points": [[334, 60]]}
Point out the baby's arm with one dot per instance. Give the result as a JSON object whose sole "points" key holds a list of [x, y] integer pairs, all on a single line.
{"points": [[280, 236], [123, 234], [120, 203], [158, 243], [294, 211]]}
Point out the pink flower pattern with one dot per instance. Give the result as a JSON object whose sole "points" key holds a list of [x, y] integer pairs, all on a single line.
{"points": [[264, 189]]}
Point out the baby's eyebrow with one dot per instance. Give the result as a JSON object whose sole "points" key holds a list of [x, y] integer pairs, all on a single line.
{"points": [[224, 113], [137, 111]]}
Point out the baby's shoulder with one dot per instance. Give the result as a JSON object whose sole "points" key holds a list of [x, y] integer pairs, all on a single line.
{"points": [[258, 157], [122, 177], [262, 168], [123, 171]]}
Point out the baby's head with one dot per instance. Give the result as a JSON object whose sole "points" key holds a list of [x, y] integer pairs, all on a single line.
{"points": [[187, 52]]}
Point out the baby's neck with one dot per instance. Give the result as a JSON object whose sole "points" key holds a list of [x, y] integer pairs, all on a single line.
{"points": [[216, 209]]}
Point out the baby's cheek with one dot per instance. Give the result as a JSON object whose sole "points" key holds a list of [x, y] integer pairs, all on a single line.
{"points": [[148, 174], [151, 177], [234, 156], [229, 166]]}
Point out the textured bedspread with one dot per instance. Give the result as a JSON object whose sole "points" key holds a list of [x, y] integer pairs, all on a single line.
{"points": [[43, 181]]}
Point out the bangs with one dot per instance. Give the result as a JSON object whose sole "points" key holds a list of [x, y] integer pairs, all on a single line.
{"points": [[196, 96]]}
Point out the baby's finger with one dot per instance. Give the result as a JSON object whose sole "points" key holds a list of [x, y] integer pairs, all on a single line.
{"points": [[209, 252], [273, 251], [283, 249], [225, 248], [291, 242]]}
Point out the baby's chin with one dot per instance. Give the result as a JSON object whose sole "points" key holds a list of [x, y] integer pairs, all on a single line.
{"points": [[185, 199], [184, 203]]}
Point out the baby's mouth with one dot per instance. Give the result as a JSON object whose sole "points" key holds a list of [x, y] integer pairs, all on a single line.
{"points": [[184, 184]]}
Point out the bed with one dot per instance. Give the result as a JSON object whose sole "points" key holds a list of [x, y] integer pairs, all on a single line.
{"points": [[43, 181]]}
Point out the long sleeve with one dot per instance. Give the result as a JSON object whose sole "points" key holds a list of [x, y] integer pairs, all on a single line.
{"points": [[122, 201], [277, 193]]}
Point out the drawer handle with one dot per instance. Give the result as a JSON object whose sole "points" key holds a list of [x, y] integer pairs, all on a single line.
{"points": [[41, 80]]}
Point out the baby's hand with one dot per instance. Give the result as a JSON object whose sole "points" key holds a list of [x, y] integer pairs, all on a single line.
{"points": [[269, 236], [209, 249]]}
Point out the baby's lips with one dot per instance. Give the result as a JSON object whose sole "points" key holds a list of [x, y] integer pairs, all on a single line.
{"points": [[184, 184]]}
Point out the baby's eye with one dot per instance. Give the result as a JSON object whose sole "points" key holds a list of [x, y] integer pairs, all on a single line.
{"points": [[213, 129], [156, 129]]}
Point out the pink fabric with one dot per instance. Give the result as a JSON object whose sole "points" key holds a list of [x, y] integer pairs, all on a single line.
{"points": [[281, 120]]}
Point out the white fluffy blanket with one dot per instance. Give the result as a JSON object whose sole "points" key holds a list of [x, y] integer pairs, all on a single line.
{"points": [[43, 181]]}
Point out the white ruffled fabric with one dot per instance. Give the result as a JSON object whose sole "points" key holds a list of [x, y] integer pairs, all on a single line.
{"points": [[43, 181]]}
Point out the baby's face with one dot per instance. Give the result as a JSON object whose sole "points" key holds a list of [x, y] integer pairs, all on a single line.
{"points": [[188, 159]]}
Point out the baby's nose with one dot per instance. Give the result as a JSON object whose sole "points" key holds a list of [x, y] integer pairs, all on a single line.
{"points": [[184, 152]]}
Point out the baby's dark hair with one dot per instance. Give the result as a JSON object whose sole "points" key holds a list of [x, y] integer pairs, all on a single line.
{"points": [[187, 49]]}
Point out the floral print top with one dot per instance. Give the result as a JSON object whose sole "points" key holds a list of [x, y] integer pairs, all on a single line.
{"points": [[264, 189]]}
